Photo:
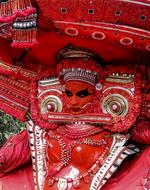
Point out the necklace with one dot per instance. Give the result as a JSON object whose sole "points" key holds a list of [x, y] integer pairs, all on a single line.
{"points": [[62, 183], [66, 149], [78, 130]]}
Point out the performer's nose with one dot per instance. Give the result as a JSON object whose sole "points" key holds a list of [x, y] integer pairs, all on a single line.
{"points": [[74, 100]]}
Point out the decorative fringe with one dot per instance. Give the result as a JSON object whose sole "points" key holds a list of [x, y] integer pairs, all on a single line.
{"points": [[24, 38], [17, 72], [11, 9], [14, 99], [24, 44], [18, 113]]}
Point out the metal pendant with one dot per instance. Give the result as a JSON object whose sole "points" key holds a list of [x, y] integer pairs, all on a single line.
{"points": [[62, 184]]}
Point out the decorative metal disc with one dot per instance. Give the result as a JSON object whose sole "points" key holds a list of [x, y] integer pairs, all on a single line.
{"points": [[51, 103], [115, 104]]}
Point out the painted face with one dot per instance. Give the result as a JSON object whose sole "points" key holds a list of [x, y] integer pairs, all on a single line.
{"points": [[79, 96]]}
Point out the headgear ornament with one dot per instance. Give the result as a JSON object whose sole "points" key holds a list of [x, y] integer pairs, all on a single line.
{"points": [[79, 64]]}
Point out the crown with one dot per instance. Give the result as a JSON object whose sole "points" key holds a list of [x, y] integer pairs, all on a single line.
{"points": [[76, 63], [71, 51], [80, 74]]}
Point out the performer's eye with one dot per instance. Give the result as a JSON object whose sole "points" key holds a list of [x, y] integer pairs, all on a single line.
{"points": [[68, 93], [83, 93]]}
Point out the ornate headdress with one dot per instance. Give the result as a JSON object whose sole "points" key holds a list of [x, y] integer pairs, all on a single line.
{"points": [[79, 64]]}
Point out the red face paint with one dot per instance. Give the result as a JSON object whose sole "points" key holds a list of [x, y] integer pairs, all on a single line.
{"points": [[79, 96]]}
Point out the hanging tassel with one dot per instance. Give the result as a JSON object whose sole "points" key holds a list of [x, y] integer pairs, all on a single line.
{"points": [[10, 9], [24, 38], [6, 11], [24, 32]]}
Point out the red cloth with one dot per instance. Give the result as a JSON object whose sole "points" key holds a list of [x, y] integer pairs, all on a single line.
{"points": [[141, 132], [20, 179], [135, 175], [15, 152]]}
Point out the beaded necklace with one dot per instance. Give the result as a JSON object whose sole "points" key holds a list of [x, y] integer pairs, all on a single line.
{"points": [[75, 131], [63, 183], [66, 157]]}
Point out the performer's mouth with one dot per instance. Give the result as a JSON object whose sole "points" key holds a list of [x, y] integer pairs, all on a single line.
{"points": [[75, 109]]}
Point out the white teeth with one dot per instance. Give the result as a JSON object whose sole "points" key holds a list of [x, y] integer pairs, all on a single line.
{"points": [[76, 123]]}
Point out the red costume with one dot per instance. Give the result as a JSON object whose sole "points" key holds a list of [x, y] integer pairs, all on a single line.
{"points": [[89, 116]]}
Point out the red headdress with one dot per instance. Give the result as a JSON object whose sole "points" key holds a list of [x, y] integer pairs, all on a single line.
{"points": [[81, 64]]}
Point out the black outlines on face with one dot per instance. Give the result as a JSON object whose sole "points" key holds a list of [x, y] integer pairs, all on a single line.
{"points": [[82, 93]]}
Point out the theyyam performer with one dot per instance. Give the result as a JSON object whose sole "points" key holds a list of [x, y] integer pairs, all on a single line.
{"points": [[85, 144], [81, 85]]}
